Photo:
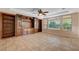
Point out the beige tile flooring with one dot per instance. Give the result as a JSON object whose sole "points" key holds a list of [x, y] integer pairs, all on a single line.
{"points": [[39, 42]]}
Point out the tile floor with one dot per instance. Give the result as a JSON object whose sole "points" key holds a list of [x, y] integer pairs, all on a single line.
{"points": [[39, 42]]}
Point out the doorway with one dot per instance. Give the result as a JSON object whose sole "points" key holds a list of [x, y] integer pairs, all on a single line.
{"points": [[39, 25]]}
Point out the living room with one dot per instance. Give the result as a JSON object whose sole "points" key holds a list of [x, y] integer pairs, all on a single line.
{"points": [[39, 29]]}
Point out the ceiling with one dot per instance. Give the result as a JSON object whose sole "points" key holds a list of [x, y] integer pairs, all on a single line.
{"points": [[52, 12]]}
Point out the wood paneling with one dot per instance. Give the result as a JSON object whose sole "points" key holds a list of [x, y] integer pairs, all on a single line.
{"points": [[18, 25], [36, 25], [23, 25], [8, 25], [0, 25]]}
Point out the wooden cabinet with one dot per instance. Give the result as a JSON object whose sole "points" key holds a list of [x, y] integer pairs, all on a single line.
{"points": [[8, 25], [16, 25], [23, 25]]}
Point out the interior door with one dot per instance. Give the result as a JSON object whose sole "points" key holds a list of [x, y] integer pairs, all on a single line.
{"points": [[8, 26]]}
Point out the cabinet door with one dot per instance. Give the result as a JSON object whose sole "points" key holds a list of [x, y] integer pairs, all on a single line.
{"points": [[8, 26]]}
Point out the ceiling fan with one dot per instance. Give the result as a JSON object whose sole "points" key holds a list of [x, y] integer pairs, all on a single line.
{"points": [[40, 12]]}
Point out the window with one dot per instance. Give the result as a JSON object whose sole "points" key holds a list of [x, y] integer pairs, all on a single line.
{"points": [[67, 23], [57, 24], [54, 24]]}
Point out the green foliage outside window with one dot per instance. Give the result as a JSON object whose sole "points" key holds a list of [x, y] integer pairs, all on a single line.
{"points": [[54, 24], [57, 24], [67, 24]]}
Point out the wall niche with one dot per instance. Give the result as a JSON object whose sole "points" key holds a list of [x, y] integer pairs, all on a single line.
{"points": [[23, 25]]}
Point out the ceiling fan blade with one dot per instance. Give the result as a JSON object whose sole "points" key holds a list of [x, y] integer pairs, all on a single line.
{"points": [[46, 12], [40, 11]]}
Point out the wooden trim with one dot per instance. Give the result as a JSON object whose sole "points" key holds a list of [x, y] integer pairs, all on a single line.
{"points": [[0, 25], [8, 13]]}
